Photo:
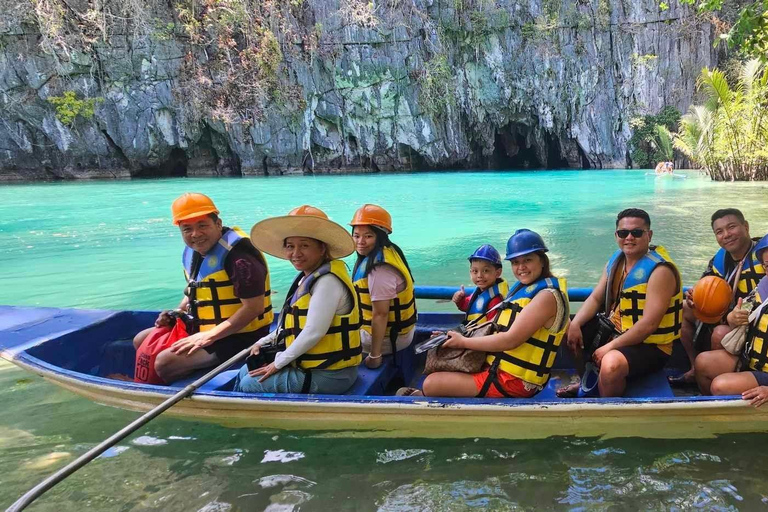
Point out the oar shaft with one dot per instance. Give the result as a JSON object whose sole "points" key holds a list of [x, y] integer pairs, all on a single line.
{"points": [[115, 438]]}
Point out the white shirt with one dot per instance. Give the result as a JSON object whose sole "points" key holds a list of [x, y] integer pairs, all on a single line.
{"points": [[330, 297]]}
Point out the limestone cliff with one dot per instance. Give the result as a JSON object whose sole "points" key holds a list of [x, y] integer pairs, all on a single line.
{"points": [[335, 85]]}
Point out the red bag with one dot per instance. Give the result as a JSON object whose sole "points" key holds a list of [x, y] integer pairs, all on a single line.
{"points": [[159, 339]]}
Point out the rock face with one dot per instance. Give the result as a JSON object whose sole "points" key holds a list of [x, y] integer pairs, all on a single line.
{"points": [[394, 85]]}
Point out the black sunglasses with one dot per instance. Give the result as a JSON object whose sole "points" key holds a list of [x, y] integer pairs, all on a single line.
{"points": [[624, 233]]}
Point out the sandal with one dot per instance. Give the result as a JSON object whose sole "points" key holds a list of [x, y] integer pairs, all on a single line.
{"points": [[409, 392], [680, 381]]}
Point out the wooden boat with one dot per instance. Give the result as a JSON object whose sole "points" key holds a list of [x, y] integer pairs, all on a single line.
{"points": [[78, 349]]}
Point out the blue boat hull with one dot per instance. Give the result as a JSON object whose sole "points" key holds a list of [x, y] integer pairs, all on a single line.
{"points": [[81, 349]]}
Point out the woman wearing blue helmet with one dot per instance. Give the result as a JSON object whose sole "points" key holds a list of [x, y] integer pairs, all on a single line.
{"points": [[530, 329]]}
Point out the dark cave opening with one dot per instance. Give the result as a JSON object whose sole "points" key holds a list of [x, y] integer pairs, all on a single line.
{"points": [[175, 166], [511, 151], [516, 147]]}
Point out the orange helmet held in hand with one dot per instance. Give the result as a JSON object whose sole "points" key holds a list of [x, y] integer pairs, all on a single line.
{"points": [[192, 205], [372, 215], [711, 298]]}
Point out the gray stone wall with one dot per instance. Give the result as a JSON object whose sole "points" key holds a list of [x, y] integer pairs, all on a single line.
{"points": [[432, 84]]}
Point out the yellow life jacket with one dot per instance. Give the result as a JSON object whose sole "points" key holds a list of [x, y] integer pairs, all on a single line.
{"points": [[531, 361], [211, 293], [757, 339], [402, 309], [751, 271], [479, 301], [632, 295], [340, 347]]}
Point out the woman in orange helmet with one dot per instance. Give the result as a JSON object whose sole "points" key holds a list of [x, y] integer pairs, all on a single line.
{"points": [[384, 284]]}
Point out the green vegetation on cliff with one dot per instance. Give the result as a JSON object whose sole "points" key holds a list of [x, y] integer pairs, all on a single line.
{"points": [[728, 135], [650, 142]]}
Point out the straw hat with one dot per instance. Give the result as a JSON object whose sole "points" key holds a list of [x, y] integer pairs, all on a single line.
{"points": [[306, 221]]}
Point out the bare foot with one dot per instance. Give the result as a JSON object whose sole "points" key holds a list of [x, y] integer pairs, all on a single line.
{"points": [[569, 391], [409, 392]]}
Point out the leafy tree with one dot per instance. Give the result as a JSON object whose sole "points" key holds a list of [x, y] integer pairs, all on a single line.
{"points": [[651, 140], [749, 33], [727, 136]]}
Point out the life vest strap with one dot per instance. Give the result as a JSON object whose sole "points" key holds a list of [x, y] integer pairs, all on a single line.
{"points": [[492, 380], [542, 368], [307, 382]]}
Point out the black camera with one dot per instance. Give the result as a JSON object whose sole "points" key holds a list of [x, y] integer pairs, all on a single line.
{"points": [[604, 331], [265, 356]]}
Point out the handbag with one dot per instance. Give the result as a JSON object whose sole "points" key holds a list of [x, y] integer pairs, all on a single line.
{"points": [[734, 341], [458, 359]]}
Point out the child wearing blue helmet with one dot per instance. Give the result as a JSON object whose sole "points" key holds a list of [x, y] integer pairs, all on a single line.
{"points": [[491, 288]]}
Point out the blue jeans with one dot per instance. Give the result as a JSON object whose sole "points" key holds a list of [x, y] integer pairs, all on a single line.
{"points": [[291, 380]]}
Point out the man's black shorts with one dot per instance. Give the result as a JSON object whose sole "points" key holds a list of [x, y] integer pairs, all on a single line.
{"points": [[643, 359], [227, 347]]}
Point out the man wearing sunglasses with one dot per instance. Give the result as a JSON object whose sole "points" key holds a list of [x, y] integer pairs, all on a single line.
{"points": [[639, 297], [737, 262]]}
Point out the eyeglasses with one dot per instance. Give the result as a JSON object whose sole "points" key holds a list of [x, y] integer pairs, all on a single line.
{"points": [[624, 233]]}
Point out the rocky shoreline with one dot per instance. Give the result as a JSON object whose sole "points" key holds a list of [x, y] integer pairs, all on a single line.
{"points": [[418, 85]]}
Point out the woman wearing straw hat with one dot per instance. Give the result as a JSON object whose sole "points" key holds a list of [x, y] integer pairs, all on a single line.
{"points": [[320, 320], [384, 283]]}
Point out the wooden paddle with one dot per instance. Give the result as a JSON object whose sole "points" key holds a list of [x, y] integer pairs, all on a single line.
{"points": [[97, 450]]}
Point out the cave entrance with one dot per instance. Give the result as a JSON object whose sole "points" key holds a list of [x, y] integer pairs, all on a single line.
{"points": [[516, 147], [511, 151], [175, 166]]}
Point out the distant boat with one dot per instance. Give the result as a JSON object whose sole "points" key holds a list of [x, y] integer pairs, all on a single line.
{"points": [[667, 175], [79, 349]]}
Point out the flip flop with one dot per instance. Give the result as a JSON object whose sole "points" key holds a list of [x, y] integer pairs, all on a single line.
{"points": [[679, 381], [409, 392]]}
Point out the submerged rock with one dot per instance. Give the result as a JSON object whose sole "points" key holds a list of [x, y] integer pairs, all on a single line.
{"points": [[411, 85]]}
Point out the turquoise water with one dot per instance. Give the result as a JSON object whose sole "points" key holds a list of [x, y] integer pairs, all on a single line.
{"points": [[111, 245]]}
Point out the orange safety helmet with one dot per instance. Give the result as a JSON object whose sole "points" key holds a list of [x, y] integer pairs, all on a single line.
{"points": [[711, 297], [311, 211], [372, 215], [192, 205]]}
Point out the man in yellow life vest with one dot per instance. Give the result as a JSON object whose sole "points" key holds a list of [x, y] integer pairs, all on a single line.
{"points": [[737, 262], [228, 291], [640, 293]]}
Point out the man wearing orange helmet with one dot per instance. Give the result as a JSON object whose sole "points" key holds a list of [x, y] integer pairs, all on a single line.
{"points": [[737, 263], [228, 292]]}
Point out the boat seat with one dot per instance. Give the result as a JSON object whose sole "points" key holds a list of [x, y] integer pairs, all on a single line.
{"points": [[373, 381]]}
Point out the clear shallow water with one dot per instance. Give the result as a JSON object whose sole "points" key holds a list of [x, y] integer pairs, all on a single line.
{"points": [[111, 245]]}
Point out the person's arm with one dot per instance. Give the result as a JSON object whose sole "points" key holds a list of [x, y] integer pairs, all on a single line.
{"points": [[589, 309], [251, 308], [164, 319], [382, 284], [661, 287], [537, 314], [378, 326]]}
